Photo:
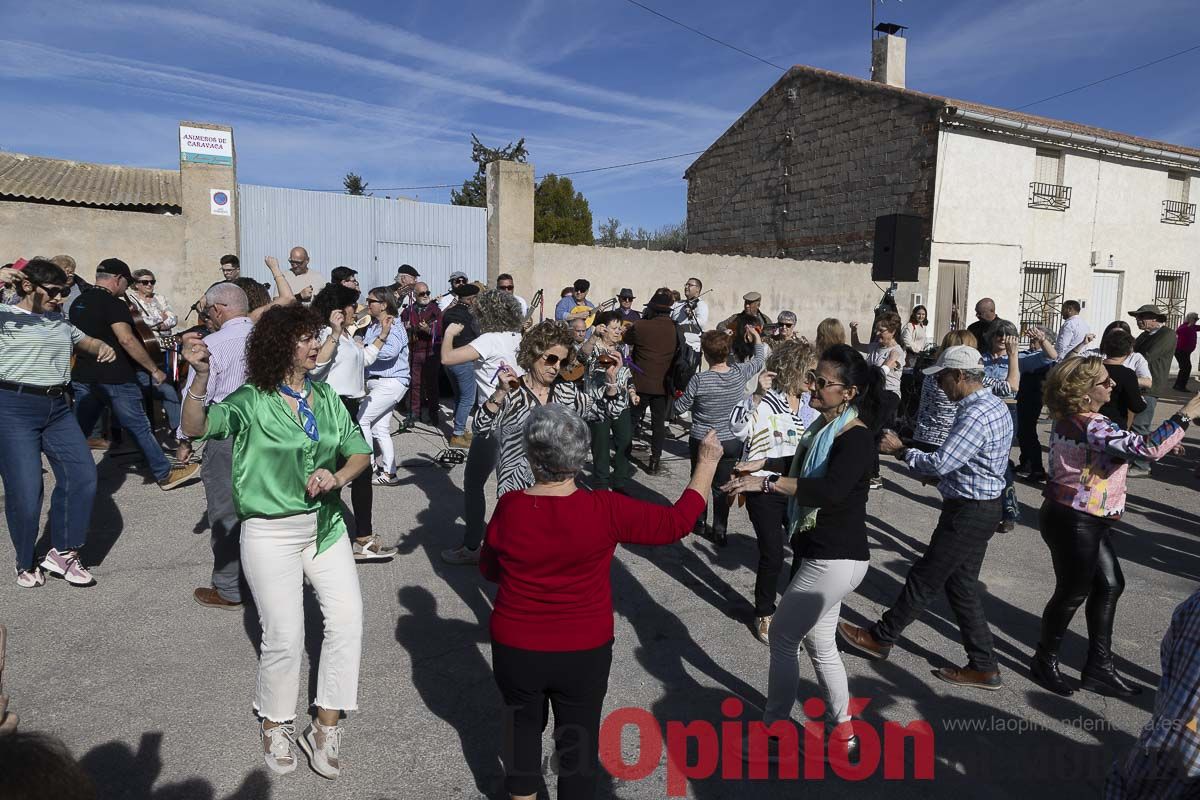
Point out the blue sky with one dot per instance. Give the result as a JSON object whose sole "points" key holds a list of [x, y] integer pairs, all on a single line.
{"points": [[393, 90]]}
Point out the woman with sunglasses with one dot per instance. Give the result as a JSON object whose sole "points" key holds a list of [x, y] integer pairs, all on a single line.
{"points": [[35, 371], [158, 315], [387, 381], [1085, 495], [827, 486], [544, 351]]}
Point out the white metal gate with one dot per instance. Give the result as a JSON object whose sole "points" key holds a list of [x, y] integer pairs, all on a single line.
{"points": [[1106, 295], [372, 235]]}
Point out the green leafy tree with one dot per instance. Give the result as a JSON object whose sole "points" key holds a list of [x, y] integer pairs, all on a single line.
{"points": [[561, 215], [610, 233], [355, 184], [668, 237], [474, 191]]}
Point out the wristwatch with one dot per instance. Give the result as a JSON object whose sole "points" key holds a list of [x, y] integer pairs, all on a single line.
{"points": [[768, 484]]}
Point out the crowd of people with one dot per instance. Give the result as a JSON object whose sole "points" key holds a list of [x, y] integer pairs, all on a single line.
{"points": [[294, 398]]}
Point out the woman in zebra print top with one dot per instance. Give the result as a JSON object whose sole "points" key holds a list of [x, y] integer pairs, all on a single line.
{"points": [[543, 352]]}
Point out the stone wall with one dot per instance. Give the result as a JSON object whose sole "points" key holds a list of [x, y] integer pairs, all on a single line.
{"points": [[807, 169], [812, 289]]}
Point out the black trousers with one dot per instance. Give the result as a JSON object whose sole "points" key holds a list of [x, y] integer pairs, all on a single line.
{"points": [[889, 402], [720, 501], [1029, 408], [1085, 568], [768, 515], [657, 403], [1184, 360], [361, 493], [952, 560], [573, 683]]}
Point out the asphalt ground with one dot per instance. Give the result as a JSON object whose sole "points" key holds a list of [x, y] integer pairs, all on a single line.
{"points": [[153, 693]]}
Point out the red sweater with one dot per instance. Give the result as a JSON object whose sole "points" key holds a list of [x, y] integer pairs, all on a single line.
{"points": [[551, 558]]}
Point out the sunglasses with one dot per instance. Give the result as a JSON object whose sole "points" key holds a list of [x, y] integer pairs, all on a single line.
{"points": [[551, 359], [53, 291], [818, 382], [374, 300], [423, 294], [508, 288], [295, 263], [458, 280], [147, 282], [1108, 383]]}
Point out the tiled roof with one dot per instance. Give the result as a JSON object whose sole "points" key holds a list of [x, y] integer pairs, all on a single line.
{"points": [[75, 182], [1003, 113]]}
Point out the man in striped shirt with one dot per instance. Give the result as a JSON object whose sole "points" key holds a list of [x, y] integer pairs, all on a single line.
{"points": [[225, 310]]}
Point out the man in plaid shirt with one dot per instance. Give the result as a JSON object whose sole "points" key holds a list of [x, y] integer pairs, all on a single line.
{"points": [[1165, 762], [970, 465]]}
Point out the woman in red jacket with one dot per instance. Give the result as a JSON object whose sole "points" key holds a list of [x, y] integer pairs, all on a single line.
{"points": [[549, 548]]}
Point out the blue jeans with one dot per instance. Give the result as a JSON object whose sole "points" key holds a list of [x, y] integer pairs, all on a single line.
{"points": [[464, 394], [167, 394], [33, 425], [125, 400]]}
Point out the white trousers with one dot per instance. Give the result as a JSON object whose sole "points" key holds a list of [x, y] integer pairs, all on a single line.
{"points": [[375, 418], [808, 613], [277, 555]]}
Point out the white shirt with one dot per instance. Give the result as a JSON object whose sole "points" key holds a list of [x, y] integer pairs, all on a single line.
{"points": [[345, 371], [524, 304], [692, 324], [1071, 333], [495, 349]]}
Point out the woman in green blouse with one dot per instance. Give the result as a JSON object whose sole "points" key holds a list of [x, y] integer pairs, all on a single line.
{"points": [[288, 434]]}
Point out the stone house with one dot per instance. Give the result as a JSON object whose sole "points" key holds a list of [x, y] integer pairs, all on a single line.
{"points": [[1027, 210]]}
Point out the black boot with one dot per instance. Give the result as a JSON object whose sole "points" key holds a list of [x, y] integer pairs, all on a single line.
{"points": [[1100, 674], [654, 466], [1044, 670], [720, 537]]}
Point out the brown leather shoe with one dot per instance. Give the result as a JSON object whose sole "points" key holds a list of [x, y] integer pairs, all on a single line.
{"points": [[210, 597], [98, 444], [862, 642], [964, 676]]}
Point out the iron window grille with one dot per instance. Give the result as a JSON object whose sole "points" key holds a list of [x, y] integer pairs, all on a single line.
{"points": [[1176, 212], [1049, 195], [1042, 294], [1170, 294]]}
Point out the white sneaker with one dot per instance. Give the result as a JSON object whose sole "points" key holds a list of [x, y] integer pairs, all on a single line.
{"points": [[277, 747], [383, 479], [320, 744], [30, 578]]}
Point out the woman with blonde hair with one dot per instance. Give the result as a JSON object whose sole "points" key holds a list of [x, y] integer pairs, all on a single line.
{"points": [[1084, 495], [829, 332], [772, 421]]}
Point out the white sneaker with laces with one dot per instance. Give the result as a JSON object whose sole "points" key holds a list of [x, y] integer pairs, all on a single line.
{"points": [[277, 747], [30, 578], [320, 744]]}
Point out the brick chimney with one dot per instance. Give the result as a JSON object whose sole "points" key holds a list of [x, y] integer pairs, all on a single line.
{"points": [[888, 54]]}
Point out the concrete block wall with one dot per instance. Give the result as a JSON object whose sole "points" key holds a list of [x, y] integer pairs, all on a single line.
{"points": [[807, 169]]}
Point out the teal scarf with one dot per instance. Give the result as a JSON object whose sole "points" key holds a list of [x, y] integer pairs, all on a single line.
{"points": [[811, 461]]}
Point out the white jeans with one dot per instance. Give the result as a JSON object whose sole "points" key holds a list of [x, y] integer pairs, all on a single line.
{"points": [[375, 418], [277, 555], [808, 613]]}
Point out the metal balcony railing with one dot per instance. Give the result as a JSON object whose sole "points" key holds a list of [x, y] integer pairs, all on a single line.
{"points": [[1049, 195], [1176, 212]]}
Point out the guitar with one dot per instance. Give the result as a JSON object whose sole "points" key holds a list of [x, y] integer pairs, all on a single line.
{"points": [[607, 305], [150, 340]]}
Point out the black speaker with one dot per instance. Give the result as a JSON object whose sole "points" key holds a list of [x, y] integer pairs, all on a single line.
{"points": [[897, 248]]}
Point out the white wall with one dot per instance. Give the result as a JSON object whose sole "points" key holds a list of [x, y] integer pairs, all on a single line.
{"points": [[982, 215]]}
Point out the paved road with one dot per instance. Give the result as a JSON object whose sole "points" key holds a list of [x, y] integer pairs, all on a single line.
{"points": [[153, 692]]}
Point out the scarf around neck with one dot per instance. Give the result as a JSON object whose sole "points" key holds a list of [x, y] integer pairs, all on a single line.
{"points": [[812, 461]]}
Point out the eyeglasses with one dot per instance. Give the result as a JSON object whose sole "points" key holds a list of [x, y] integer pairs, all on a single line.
{"points": [[373, 300], [507, 288], [229, 268], [818, 382], [145, 282], [551, 359], [1107, 383]]}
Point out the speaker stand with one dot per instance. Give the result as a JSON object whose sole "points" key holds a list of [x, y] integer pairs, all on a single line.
{"points": [[888, 301]]}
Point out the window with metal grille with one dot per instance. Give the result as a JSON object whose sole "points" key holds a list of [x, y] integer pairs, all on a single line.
{"points": [[1170, 294], [1042, 293], [1047, 190], [1176, 208]]}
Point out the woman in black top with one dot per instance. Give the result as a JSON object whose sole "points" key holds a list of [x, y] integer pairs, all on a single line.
{"points": [[1126, 399], [828, 485]]}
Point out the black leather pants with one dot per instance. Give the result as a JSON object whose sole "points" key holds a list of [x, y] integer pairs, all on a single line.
{"points": [[1085, 568]]}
